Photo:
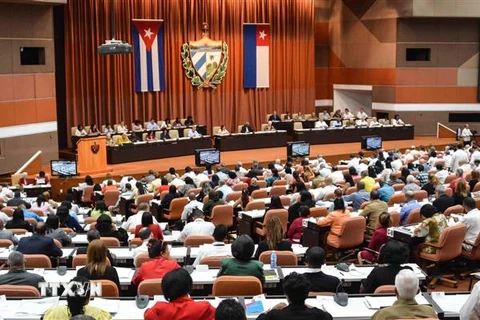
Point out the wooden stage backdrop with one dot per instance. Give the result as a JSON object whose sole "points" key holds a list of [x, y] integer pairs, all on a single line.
{"points": [[331, 152]]}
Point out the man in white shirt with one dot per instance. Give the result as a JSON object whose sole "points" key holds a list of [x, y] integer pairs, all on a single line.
{"points": [[188, 173], [459, 156], [396, 163], [5, 190], [471, 308], [441, 173], [354, 161], [224, 189], [361, 114], [136, 219], [193, 203], [152, 125], [475, 155], [200, 179], [127, 179], [321, 124], [323, 170], [347, 114], [217, 248], [145, 235], [122, 128], [471, 220], [198, 227], [466, 135], [325, 116], [278, 165], [336, 176], [193, 133]]}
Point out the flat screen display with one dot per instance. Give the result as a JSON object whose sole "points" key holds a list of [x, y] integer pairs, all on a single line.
{"points": [[205, 157], [298, 149], [371, 142], [64, 168]]}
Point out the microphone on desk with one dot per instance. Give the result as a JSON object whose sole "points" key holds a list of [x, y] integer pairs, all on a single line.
{"points": [[341, 298], [341, 265]]}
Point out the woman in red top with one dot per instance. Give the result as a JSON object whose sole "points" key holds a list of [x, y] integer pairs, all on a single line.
{"points": [[160, 264], [296, 228], [379, 238], [147, 221], [176, 286]]}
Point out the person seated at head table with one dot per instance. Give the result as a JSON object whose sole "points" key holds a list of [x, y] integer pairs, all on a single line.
{"points": [[41, 178], [80, 132], [299, 116], [193, 133], [350, 122], [108, 129], [269, 127], [39, 243], [123, 139], [176, 286], [167, 123], [151, 137], [361, 114], [222, 131], [242, 263], [287, 116], [374, 122], [18, 221], [361, 123], [164, 135], [324, 115], [379, 238], [122, 128], [189, 121], [97, 267], [406, 288], [93, 129], [17, 275], [55, 232], [392, 255], [23, 181], [274, 117], [160, 264], [396, 121], [77, 304], [336, 123], [296, 288], [152, 125], [274, 239], [319, 281], [230, 309], [109, 139], [177, 123], [347, 114], [321, 123], [147, 221], [137, 126], [247, 128], [295, 231], [338, 114]]}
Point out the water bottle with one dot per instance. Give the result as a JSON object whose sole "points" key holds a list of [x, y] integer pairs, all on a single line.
{"points": [[273, 260]]}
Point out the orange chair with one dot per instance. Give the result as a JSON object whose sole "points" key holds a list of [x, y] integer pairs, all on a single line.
{"points": [[87, 195], [329, 196], [395, 218], [449, 192], [136, 242], [197, 240], [477, 187], [285, 200], [261, 183], [351, 234], [255, 205], [214, 261], [163, 194], [89, 220], [284, 258], [81, 260], [397, 198], [174, 213], [233, 196], [222, 214], [110, 241], [57, 243], [5, 243], [420, 195], [278, 191], [454, 209], [448, 247], [111, 197], [414, 217], [388, 288], [141, 258], [150, 287], [68, 230], [8, 210], [39, 212], [31, 221], [144, 198], [18, 231], [351, 190], [259, 194], [237, 286], [474, 254], [279, 182], [19, 291], [195, 191], [282, 214], [318, 212], [109, 288], [398, 186], [37, 261], [450, 178], [240, 186]]}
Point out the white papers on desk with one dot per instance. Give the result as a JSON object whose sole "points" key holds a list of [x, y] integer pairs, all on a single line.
{"points": [[111, 306], [37, 306], [163, 225], [254, 214], [450, 303], [125, 273], [382, 302]]}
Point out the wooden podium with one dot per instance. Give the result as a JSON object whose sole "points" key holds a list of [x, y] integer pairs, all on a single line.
{"points": [[92, 155]]}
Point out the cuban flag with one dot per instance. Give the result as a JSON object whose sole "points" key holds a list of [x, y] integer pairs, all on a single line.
{"points": [[256, 56], [148, 51]]}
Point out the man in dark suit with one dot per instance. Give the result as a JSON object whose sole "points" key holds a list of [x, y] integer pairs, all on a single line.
{"points": [[442, 201], [38, 243], [94, 235], [17, 275], [16, 200], [274, 117], [319, 281], [247, 128], [296, 289]]}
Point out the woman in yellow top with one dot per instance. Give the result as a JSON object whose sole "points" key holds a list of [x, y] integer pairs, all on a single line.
{"points": [[335, 219], [368, 178], [77, 304], [431, 227], [123, 139]]}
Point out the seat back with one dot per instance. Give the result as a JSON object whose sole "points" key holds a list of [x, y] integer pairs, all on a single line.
{"points": [[284, 258], [37, 261], [19, 291], [144, 198], [454, 209], [222, 214], [352, 232], [136, 242], [255, 205], [388, 288], [233, 196], [261, 183], [18, 231], [109, 288], [173, 133], [397, 198], [398, 186], [215, 130], [278, 190], [450, 241], [197, 240], [476, 187], [31, 221], [79, 260], [150, 287], [414, 216], [395, 218], [419, 195], [39, 212], [297, 126], [8, 210], [259, 194], [281, 182], [237, 286], [110, 241], [186, 132], [318, 212], [141, 258], [450, 178], [240, 186], [5, 243], [474, 254], [214, 261], [351, 190], [285, 200], [329, 196], [111, 197], [176, 208], [87, 194], [282, 214]]}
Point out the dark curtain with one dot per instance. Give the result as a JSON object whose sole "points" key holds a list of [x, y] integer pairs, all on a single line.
{"points": [[100, 89]]}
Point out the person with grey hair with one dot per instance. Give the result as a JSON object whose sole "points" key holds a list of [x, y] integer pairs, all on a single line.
{"points": [[145, 234], [460, 155], [410, 205], [224, 189], [406, 288], [458, 175], [192, 204], [6, 234], [198, 226], [17, 275], [411, 185], [442, 201], [136, 219]]}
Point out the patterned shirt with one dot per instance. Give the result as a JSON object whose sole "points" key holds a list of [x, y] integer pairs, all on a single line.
{"points": [[431, 228], [423, 178]]}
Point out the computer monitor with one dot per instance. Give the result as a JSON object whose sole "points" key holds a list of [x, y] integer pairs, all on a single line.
{"points": [[63, 168], [298, 149], [371, 142], [205, 157]]}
